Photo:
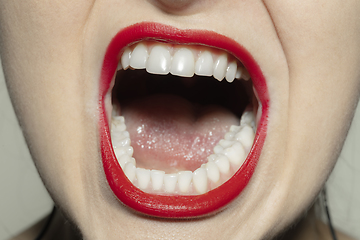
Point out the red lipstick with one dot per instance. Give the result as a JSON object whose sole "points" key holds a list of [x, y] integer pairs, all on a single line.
{"points": [[177, 206]]}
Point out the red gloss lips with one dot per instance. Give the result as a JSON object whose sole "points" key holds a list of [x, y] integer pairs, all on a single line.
{"points": [[177, 206]]}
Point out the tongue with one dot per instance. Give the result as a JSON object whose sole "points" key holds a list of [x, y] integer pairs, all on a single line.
{"points": [[170, 133]]}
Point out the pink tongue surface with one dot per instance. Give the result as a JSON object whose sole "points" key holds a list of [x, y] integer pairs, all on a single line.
{"points": [[171, 134]]}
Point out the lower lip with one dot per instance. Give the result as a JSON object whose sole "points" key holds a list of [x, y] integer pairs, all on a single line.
{"points": [[177, 206]]}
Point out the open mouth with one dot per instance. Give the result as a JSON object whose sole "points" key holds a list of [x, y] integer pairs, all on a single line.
{"points": [[195, 121]]}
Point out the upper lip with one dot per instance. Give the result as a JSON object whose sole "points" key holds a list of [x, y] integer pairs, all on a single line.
{"points": [[177, 206]]}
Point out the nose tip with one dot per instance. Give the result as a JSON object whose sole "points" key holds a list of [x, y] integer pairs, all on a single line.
{"points": [[172, 5]]}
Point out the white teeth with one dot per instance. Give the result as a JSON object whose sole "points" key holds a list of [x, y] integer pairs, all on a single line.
{"points": [[247, 118], [170, 181], [205, 64], [118, 120], [139, 57], [218, 149], [124, 142], [119, 67], [200, 180], [211, 158], [223, 164], [159, 61], [220, 67], [118, 126], [235, 154], [183, 63], [123, 159], [125, 59], [242, 73], [229, 136], [143, 177], [119, 151], [121, 134], [212, 172], [234, 128], [231, 72], [130, 171], [118, 136], [225, 143], [246, 137], [238, 73], [157, 179], [184, 180]]}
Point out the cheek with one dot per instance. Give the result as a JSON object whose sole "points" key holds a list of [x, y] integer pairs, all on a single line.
{"points": [[47, 86], [323, 55]]}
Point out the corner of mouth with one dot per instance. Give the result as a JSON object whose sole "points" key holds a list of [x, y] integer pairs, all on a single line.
{"points": [[131, 189]]}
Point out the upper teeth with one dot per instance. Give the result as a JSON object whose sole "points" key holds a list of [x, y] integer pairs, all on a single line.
{"points": [[229, 155], [161, 58]]}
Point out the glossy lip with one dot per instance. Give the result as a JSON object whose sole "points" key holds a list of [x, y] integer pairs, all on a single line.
{"points": [[177, 206]]}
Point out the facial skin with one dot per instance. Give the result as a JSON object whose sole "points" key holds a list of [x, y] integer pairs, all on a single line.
{"points": [[52, 52]]}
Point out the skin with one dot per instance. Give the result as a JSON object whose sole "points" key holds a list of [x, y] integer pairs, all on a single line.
{"points": [[308, 50]]}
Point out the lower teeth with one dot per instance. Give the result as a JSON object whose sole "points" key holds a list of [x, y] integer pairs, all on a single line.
{"points": [[229, 154]]}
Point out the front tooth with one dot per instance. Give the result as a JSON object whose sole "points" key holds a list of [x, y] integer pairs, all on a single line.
{"points": [[223, 164], [130, 171], [159, 61], [246, 137], [200, 180], [212, 172], [157, 179], [235, 153], [231, 72], [139, 57], [183, 63], [184, 180], [125, 58], [205, 64], [170, 182], [220, 67], [143, 177]]}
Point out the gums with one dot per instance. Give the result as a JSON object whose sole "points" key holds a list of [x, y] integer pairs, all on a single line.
{"points": [[177, 206]]}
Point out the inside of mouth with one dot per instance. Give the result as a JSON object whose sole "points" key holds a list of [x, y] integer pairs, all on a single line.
{"points": [[183, 135]]}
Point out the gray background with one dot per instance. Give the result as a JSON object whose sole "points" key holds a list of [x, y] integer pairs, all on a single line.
{"points": [[24, 200]]}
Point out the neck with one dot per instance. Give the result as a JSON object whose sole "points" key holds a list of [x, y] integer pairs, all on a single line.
{"points": [[309, 228], [60, 228]]}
